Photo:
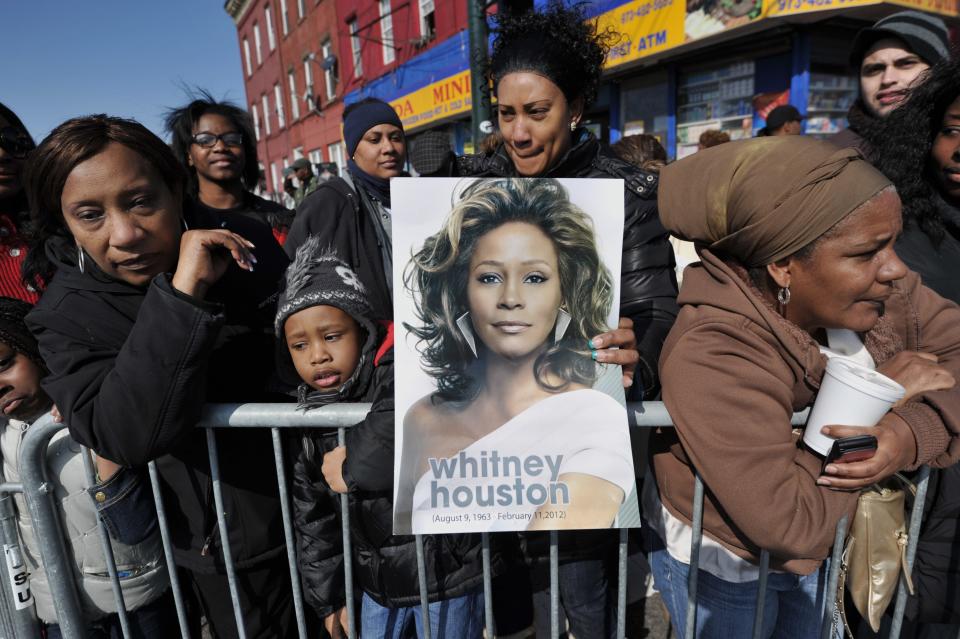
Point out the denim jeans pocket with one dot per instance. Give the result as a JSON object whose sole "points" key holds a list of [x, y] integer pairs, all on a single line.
{"points": [[125, 504]]}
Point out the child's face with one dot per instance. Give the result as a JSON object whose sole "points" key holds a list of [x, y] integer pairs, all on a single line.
{"points": [[325, 345], [20, 394]]}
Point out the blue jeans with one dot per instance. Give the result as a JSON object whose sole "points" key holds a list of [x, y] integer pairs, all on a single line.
{"points": [[585, 598], [456, 618], [793, 607]]}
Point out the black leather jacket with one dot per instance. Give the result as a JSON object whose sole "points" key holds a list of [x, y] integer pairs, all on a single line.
{"points": [[648, 282]]}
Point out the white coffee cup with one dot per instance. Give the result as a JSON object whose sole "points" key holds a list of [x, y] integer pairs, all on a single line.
{"points": [[850, 395]]}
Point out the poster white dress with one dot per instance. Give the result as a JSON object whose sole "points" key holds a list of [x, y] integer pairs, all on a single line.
{"points": [[504, 420]]}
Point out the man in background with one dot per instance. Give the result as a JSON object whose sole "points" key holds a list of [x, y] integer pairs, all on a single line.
{"points": [[783, 120], [892, 56]]}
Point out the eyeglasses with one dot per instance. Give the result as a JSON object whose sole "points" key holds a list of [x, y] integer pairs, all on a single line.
{"points": [[15, 142], [208, 140]]}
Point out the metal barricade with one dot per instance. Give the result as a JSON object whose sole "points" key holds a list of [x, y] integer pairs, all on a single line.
{"points": [[39, 493]]}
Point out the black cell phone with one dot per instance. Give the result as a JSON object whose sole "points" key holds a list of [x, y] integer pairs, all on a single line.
{"points": [[851, 449]]}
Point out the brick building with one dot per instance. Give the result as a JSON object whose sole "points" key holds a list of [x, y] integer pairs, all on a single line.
{"points": [[290, 52]]}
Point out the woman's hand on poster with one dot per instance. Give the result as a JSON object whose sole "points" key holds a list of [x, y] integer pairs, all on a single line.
{"points": [[55, 413], [618, 346], [896, 450], [332, 469], [205, 256], [917, 372], [337, 624]]}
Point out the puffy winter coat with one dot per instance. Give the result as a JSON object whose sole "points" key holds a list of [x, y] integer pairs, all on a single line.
{"points": [[143, 573], [344, 219], [385, 565], [121, 355]]}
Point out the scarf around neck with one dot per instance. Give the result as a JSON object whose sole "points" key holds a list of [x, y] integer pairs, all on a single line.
{"points": [[377, 188]]}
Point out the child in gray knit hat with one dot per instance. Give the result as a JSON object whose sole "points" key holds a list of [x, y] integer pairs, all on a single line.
{"points": [[342, 355]]}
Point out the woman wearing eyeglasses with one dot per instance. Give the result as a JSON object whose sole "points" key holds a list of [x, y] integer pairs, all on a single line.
{"points": [[215, 143], [15, 144]]}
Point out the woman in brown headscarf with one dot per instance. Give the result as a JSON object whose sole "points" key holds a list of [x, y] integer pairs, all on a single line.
{"points": [[796, 242]]}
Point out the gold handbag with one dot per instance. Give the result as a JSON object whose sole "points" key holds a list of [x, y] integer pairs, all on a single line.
{"points": [[876, 551]]}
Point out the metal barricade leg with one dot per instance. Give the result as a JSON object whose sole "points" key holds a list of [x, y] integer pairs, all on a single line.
{"points": [[424, 594], [916, 517], [19, 624], [487, 587], [39, 495], [288, 533], [691, 629], [111, 562], [554, 585], [224, 537], [622, 585], [761, 594], [168, 552], [830, 620], [347, 553]]}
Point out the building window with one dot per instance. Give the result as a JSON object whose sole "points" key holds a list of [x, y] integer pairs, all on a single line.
{"points": [[309, 99], [275, 179], [294, 98], [316, 156], [278, 98], [246, 56], [284, 17], [428, 26], [386, 32], [355, 47], [297, 153], [329, 71], [256, 43], [266, 113], [336, 155], [256, 121], [271, 36], [301, 9]]}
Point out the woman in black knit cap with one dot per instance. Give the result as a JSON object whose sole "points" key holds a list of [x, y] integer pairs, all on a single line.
{"points": [[352, 213]]}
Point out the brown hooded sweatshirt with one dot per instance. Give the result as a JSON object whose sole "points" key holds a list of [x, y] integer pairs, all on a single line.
{"points": [[734, 371]]}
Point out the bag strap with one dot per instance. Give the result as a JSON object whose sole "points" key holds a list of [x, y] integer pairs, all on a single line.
{"points": [[909, 485], [840, 609]]}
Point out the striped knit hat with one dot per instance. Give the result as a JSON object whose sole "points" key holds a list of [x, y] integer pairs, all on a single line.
{"points": [[925, 35]]}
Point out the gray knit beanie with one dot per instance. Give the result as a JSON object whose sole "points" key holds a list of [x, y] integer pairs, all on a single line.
{"points": [[317, 277]]}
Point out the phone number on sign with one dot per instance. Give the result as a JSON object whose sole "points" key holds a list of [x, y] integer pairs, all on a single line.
{"points": [[799, 5]]}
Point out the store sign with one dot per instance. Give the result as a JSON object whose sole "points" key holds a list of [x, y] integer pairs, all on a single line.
{"points": [[441, 99], [773, 8], [653, 26], [648, 27]]}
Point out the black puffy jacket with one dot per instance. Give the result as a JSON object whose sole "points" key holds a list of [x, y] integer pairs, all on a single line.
{"points": [[937, 569], [385, 566], [130, 370], [648, 281]]}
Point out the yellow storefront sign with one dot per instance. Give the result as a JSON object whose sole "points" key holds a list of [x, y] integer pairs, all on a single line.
{"points": [[436, 101], [648, 27], [773, 8]]}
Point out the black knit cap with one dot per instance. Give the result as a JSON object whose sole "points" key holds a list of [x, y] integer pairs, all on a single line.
{"points": [[13, 329], [925, 35]]}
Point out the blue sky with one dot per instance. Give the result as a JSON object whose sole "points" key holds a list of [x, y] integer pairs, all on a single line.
{"points": [[63, 58]]}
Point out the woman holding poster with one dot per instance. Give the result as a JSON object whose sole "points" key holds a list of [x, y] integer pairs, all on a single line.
{"points": [[506, 296], [545, 69]]}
